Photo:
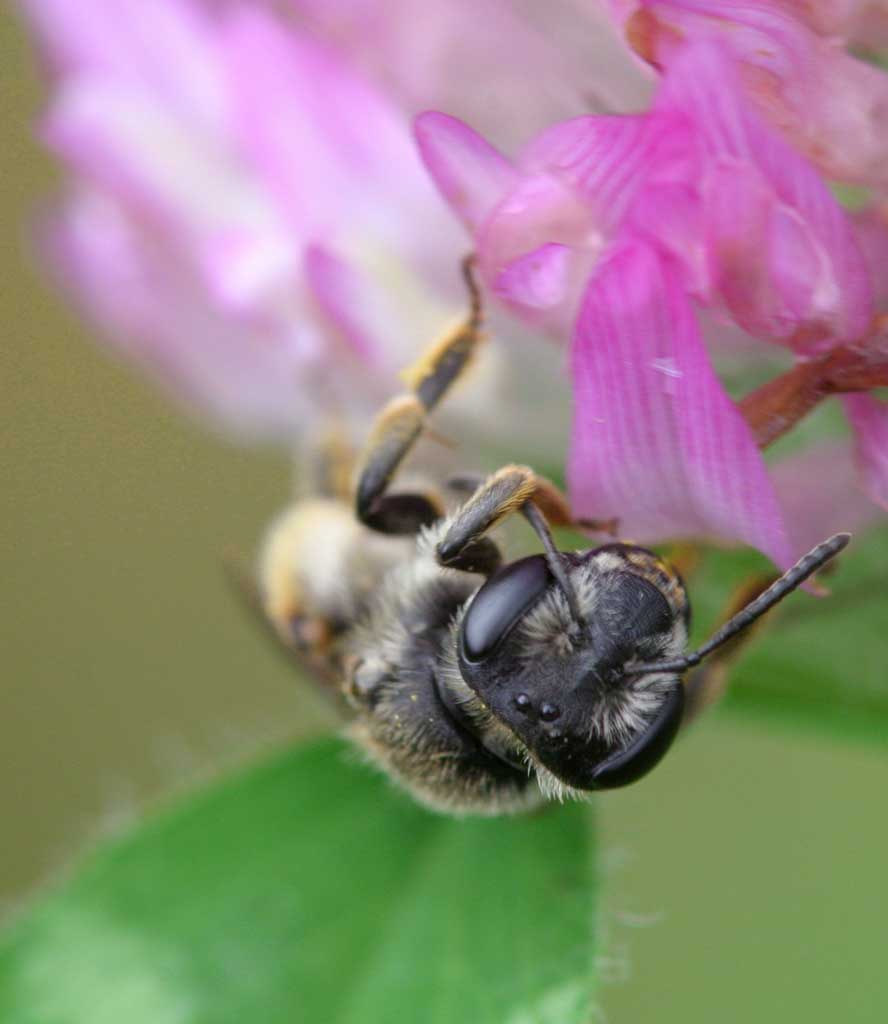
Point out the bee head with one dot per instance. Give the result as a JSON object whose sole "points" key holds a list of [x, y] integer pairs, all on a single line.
{"points": [[549, 658]]}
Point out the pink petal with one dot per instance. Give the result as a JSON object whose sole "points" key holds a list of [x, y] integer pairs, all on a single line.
{"points": [[577, 182], [869, 418], [332, 148], [832, 19], [670, 212], [470, 174], [871, 231], [540, 279], [343, 297], [177, 238], [134, 116], [249, 376], [656, 440], [804, 217], [759, 31], [772, 272], [821, 494], [608, 161], [869, 28], [163, 50], [186, 182], [541, 229], [846, 136], [509, 69], [829, 105]]}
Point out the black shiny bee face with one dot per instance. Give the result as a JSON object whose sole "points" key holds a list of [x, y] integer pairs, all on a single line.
{"points": [[559, 685]]}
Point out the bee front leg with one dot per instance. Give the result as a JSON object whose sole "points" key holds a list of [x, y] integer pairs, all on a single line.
{"points": [[511, 489], [549, 499], [402, 421], [463, 544], [497, 497]]}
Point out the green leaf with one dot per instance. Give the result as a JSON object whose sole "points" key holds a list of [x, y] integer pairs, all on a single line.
{"points": [[310, 890], [820, 662]]}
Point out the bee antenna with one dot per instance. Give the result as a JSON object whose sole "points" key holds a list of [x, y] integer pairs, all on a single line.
{"points": [[792, 578], [554, 559], [468, 266]]}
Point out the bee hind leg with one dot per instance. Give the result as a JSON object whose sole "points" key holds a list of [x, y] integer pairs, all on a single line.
{"points": [[300, 648], [330, 464], [402, 421]]}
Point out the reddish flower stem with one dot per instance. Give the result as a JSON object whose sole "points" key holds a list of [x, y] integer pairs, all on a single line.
{"points": [[776, 407]]}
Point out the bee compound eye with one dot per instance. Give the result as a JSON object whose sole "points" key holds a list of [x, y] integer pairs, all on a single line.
{"points": [[500, 603], [646, 750]]}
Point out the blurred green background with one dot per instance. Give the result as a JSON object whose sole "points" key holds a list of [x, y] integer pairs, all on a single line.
{"points": [[745, 880]]}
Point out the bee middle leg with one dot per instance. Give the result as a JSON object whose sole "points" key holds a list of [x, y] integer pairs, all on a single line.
{"points": [[400, 424]]}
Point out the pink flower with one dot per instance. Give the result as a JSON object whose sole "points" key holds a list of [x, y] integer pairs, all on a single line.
{"points": [[700, 199], [246, 217], [792, 59], [541, 221], [510, 68], [701, 172], [782, 254]]}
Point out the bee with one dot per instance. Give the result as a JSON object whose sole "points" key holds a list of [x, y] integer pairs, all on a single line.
{"points": [[485, 687]]}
